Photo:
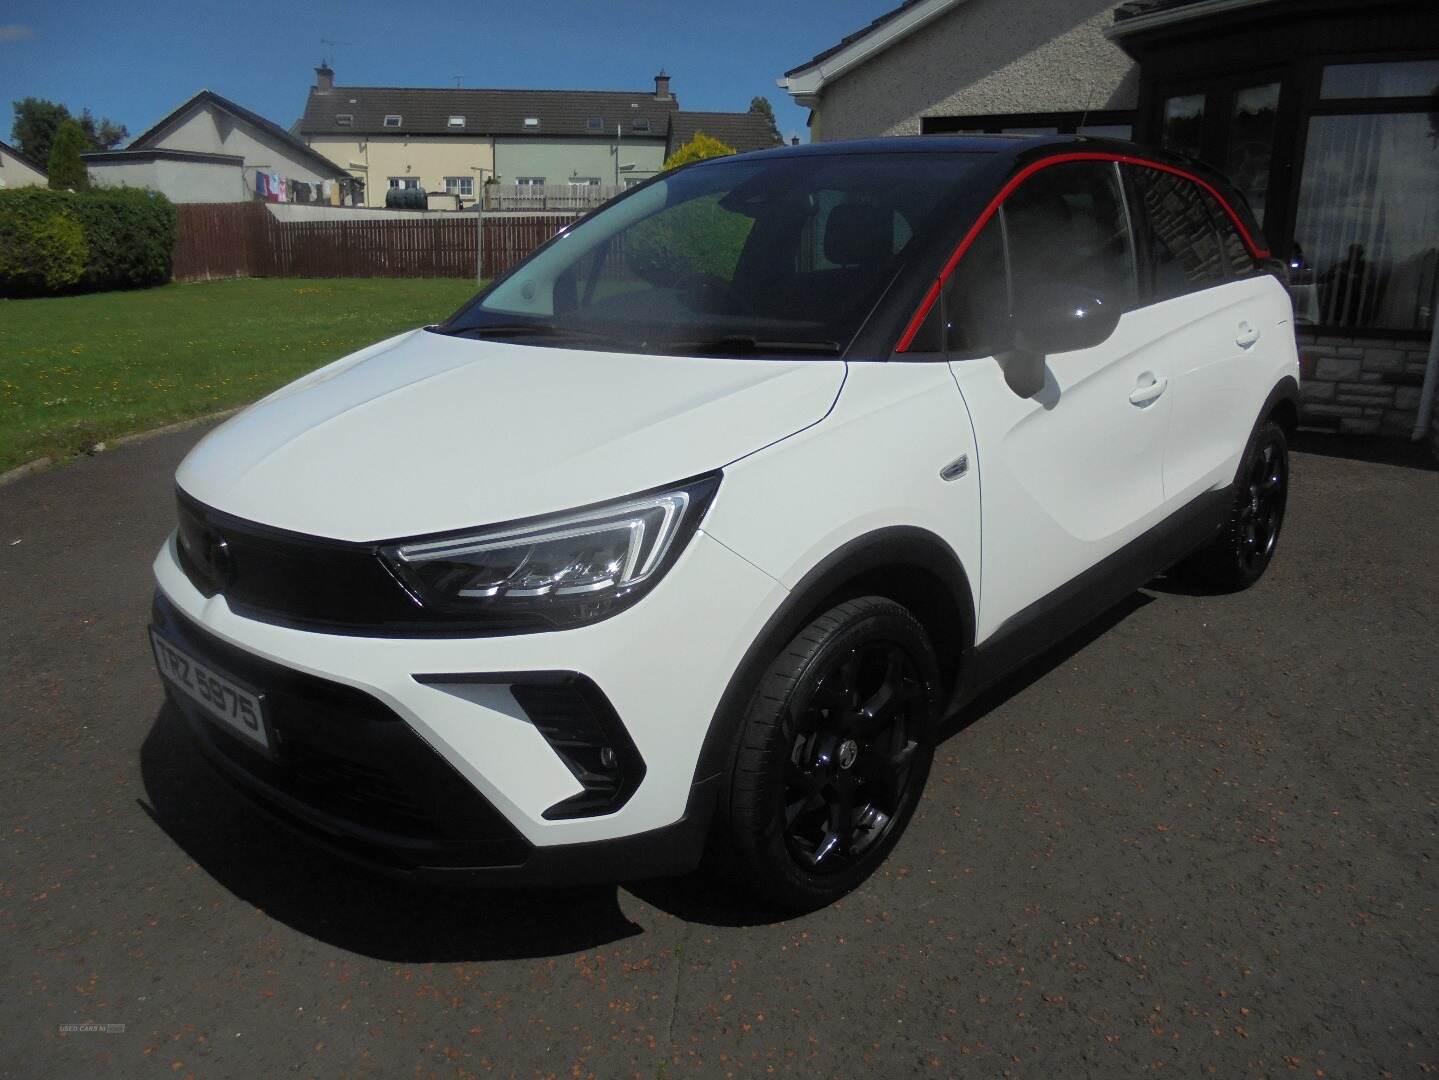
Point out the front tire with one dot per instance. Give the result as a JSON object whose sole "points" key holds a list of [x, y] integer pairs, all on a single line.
{"points": [[832, 755], [1239, 555]]}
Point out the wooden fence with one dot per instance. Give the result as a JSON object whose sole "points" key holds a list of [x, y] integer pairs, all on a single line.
{"points": [[244, 240], [541, 198]]}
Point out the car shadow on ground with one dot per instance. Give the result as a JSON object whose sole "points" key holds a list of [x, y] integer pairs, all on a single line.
{"points": [[365, 912], [347, 905]]}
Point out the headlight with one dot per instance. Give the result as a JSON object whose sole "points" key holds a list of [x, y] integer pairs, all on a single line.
{"points": [[561, 571]]}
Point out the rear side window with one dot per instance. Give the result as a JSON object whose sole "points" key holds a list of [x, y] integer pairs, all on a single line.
{"points": [[1181, 245], [1236, 252]]}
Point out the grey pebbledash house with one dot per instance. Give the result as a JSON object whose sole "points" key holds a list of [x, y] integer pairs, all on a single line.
{"points": [[1324, 112]]}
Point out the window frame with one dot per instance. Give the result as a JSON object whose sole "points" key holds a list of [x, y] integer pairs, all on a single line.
{"points": [[398, 119], [641, 125], [460, 183]]}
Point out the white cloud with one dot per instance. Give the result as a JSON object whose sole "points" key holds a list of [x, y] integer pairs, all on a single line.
{"points": [[15, 32]]}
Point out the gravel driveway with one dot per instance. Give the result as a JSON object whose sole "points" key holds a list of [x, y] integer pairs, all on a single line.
{"points": [[1199, 839]]}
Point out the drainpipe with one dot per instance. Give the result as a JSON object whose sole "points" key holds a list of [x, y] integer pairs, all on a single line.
{"points": [[1431, 375]]}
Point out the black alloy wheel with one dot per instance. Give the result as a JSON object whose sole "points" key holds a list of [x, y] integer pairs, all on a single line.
{"points": [[855, 732], [831, 757], [1262, 508], [1238, 556]]}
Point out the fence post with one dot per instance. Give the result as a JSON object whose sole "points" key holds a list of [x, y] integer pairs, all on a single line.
{"points": [[479, 241]]}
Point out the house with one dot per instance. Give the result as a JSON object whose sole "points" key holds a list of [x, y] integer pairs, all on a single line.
{"points": [[210, 149], [456, 139], [16, 170], [1323, 114]]}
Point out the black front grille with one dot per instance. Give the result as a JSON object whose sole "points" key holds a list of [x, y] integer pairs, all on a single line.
{"points": [[346, 765], [336, 586]]}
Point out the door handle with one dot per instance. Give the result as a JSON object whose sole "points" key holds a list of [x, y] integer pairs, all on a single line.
{"points": [[1143, 395], [1246, 335]]}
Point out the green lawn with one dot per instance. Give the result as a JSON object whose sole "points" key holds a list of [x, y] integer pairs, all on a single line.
{"points": [[77, 370]]}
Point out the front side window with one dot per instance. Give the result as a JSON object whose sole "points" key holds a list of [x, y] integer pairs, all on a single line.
{"points": [[976, 299], [784, 256], [460, 185], [404, 181], [1180, 240], [1067, 223]]}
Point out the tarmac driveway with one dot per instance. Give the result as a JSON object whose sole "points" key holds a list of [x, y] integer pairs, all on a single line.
{"points": [[1199, 839]]}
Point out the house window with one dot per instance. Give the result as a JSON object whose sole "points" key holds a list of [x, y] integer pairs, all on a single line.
{"points": [[1101, 123], [404, 181], [456, 122], [1366, 234], [584, 181], [532, 121], [392, 121], [460, 185], [1409, 78], [631, 181], [640, 123], [1183, 126], [594, 123], [345, 119], [530, 181]]}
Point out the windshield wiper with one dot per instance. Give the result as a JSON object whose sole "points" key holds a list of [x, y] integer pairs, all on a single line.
{"points": [[504, 330], [746, 343]]}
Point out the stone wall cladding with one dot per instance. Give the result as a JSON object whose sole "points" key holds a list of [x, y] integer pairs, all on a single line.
{"points": [[1360, 386]]}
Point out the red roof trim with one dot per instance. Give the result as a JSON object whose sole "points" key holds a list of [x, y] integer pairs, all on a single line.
{"points": [[1020, 177]]}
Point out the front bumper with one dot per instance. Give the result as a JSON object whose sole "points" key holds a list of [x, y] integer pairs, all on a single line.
{"points": [[414, 756]]}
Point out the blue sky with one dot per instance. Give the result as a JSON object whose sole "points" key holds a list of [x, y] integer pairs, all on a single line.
{"points": [[135, 60]]}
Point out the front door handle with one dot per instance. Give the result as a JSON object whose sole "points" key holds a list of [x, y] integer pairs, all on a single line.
{"points": [[1246, 335], [1143, 395]]}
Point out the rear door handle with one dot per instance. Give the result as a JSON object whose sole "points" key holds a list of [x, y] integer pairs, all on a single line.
{"points": [[1143, 395], [1246, 335]]}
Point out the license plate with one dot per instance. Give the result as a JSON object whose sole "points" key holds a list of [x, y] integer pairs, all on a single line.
{"points": [[218, 695]]}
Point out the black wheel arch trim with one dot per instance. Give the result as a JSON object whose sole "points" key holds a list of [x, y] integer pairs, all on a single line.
{"points": [[899, 546]]}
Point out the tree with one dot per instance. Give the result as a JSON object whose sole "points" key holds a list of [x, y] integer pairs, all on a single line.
{"points": [[67, 169], [697, 149], [761, 106], [102, 134], [37, 121]]}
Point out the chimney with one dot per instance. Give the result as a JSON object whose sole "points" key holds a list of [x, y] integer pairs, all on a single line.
{"points": [[662, 86], [324, 76]]}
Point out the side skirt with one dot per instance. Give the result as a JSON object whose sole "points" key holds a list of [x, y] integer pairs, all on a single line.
{"points": [[1052, 618]]}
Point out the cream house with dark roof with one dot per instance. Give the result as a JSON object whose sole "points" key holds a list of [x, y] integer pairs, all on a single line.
{"points": [[455, 139]]}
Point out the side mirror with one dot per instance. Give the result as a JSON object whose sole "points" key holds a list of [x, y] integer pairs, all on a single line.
{"points": [[1057, 316]]}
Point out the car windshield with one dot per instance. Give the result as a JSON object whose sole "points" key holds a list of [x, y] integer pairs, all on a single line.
{"points": [[776, 255]]}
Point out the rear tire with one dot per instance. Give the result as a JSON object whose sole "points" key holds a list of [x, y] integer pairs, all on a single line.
{"points": [[831, 756], [1239, 555]]}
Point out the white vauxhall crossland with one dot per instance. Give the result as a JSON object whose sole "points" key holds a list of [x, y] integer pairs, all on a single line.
{"points": [[682, 539]]}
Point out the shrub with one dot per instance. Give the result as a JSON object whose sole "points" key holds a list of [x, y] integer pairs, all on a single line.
{"points": [[66, 167], [699, 148], [60, 241]]}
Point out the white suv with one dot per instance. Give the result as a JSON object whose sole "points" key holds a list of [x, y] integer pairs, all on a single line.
{"points": [[686, 534]]}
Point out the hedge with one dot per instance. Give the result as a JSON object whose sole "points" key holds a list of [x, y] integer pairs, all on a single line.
{"points": [[64, 241]]}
